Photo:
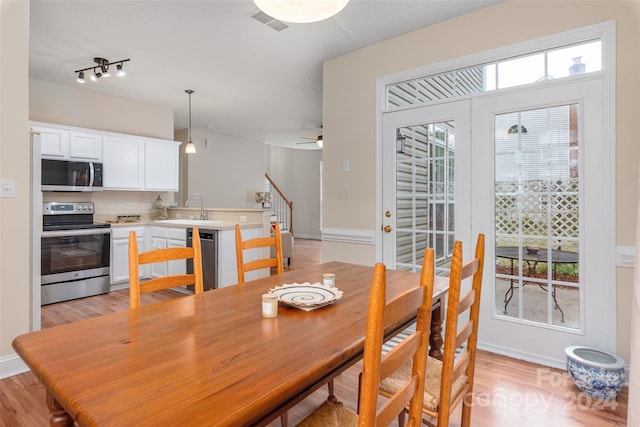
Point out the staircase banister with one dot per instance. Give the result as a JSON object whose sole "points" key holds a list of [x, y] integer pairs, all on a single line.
{"points": [[275, 187]]}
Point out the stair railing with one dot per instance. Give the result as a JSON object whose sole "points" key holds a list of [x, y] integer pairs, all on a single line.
{"points": [[281, 206]]}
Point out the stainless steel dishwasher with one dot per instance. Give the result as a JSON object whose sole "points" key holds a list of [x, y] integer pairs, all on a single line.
{"points": [[209, 246]]}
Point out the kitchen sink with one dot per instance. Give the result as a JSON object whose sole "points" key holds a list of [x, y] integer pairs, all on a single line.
{"points": [[194, 222]]}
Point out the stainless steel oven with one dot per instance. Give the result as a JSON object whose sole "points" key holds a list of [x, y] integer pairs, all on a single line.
{"points": [[75, 252]]}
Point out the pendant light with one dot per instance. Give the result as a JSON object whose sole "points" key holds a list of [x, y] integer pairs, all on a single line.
{"points": [[191, 147], [301, 11]]}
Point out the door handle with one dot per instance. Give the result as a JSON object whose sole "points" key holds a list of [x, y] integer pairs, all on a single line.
{"points": [[387, 229]]}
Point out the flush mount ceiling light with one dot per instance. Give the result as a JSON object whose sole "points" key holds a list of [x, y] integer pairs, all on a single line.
{"points": [[301, 11], [101, 69], [191, 147]]}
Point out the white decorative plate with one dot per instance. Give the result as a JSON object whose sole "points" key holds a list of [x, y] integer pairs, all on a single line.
{"points": [[306, 295]]}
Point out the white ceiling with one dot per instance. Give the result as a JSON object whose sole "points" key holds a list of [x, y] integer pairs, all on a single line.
{"points": [[250, 81]]}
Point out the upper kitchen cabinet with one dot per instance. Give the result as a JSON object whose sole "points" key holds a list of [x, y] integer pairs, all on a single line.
{"points": [[123, 163], [63, 142], [161, 165], [84, 145], [137, 163]]}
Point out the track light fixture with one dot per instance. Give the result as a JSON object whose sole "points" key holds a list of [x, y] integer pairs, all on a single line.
{"points": [[101, 69]]}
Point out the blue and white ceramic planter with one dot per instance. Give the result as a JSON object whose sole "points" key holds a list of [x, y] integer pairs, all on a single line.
{"points": [[597, 373]]}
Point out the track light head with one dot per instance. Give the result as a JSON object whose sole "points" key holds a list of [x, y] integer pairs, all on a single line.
{"points": [[80, 78], [120, 72]]}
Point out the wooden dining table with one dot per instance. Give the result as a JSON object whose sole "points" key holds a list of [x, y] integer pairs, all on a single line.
{"points": [[209, 359]]}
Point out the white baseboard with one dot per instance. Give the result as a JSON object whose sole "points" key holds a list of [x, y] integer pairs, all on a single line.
{"points": [[11, 365], [529, 357], [308, 236], [346, 235]]}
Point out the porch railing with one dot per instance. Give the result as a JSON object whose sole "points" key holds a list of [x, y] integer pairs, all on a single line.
{"points": [[281, 206]]}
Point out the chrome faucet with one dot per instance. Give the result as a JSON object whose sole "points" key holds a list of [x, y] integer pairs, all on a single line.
{"points": [[203, 214]]}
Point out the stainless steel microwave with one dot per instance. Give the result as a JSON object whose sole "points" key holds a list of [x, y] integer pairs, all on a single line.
{"points": [[66, 175]]}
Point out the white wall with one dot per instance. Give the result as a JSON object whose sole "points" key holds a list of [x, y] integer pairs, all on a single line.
{"points": [[297, 174], [227, 172], [349, 110]]}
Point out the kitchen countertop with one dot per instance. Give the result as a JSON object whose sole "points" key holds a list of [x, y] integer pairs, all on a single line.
{"points": [[222, 225]]}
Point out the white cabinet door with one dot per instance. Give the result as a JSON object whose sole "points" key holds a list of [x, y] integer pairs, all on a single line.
{"points": [[178, 266], [161, 166], [84, 145], [158, 269], [120, 252], [123, 163], [54, 143]]}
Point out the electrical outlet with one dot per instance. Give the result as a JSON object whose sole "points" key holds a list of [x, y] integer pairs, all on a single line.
{"points": [[149, 206], [118, 206], [130, 205], [243, 218], [344, 193], [8, 188]]}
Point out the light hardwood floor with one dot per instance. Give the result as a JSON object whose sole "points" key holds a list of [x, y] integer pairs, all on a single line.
{"points": [[508, 392]]}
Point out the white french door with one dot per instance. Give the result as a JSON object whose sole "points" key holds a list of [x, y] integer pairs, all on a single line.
{"points": [[426, 182], [532, 183], [537, 195]]}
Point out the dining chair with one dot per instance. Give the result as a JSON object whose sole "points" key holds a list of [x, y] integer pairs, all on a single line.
{"points": [[136, 259], [376, 366], [450, 381], [258, 243]]}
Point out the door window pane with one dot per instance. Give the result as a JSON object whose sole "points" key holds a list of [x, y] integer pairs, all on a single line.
{"points": [[425, 207], [537, 216]]}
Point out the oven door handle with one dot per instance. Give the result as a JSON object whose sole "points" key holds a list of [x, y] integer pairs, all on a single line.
{"points": [[68, 233]]}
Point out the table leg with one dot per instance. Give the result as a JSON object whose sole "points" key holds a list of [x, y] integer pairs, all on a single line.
{"points": [[435, 336], [59, 416], [509, 291]]}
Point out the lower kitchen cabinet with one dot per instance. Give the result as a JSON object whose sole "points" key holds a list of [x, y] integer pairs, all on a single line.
{"points": [[155, 236], [168, 237], [120, 252]]}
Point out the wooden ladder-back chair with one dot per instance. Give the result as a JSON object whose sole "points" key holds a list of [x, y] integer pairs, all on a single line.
{"points": [[163, 255], [412, 350], [450, 381], [256, 243]]}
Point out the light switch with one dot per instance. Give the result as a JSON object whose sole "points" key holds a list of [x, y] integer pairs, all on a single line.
{"points": [[8, 188], [345, 166], [344, 193]]}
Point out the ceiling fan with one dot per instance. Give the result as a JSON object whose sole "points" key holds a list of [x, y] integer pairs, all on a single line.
{"points": [[317, 140]]}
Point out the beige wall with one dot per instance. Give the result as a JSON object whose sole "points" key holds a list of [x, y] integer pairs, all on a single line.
{"points": [[297, 174], [52, 103], [227, 172], [349, 110], [14, 164]]}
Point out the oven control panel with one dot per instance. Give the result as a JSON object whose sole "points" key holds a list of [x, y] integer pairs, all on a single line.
{"points": [[66, 208]]}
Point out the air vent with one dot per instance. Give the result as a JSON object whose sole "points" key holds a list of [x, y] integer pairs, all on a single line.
{"points": [[262, 17]]}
